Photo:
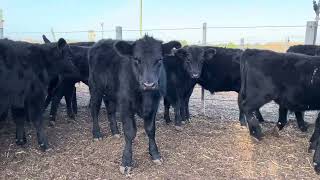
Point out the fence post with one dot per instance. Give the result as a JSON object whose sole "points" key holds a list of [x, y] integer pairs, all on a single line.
{"points": [[311, 32], [204, 42], [119, 33], [1, 24], [242, 46]]}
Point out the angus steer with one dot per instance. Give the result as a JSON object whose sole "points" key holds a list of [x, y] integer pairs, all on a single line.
{"points": [[291, 80], [130, 74], [183, 70], [66, 87], [311, 50], [222, 73], [26, 70]]}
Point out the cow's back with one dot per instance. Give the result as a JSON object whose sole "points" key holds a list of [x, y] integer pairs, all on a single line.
{"points": [[222, 72]]}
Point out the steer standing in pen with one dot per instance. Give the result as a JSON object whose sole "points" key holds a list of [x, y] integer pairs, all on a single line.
{"points": [[291, 80], [130, 74]]}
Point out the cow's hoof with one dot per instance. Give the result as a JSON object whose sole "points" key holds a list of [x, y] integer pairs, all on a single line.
{"points": [[158, 161], [280, 126], [311, 148], [21, 142], [178, 128], [116, 136], [303, 128], [72, 116], [43, 147], [125, 170], [243, 123], [52, 123], [317, 168], [183, 122]]}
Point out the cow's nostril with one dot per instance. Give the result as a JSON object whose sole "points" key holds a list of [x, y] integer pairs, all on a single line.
{"points": [[149, 85], [195, 75]]}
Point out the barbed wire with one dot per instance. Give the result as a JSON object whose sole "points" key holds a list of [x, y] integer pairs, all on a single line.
{"points": [[162, 29]]}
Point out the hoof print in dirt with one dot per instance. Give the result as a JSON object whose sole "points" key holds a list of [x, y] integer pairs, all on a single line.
{"points": [[157, 162], [125, 170], [178, 128]]}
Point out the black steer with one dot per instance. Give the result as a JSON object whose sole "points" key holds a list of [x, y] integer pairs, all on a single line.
{"points": [[291, 80], [311, 50], [222, 73], [26, 70], [66, 87], [130, 75], [183, 70]]}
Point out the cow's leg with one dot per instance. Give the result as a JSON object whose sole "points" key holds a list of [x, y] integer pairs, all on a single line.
{"points": [[54, 105], [166, 110], [74, 101], [315, 135], [183, 112], [186, 104], [48, 100], [315, 145], [129, 130], [18, 115], [259, 116], [253, 124], [68, 95], [177, 123], [282, 121], [301, 124], [242, 117], [150, 128], [35, 112], [111, 111], [95, 105]]}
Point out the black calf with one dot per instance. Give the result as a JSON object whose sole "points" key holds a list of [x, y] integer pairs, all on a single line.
{"points": [[129, 74]]}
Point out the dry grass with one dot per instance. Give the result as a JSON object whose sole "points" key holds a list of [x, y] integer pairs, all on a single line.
{"points": [[206, 149]]}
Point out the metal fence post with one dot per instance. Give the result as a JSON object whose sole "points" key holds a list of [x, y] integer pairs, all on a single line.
{"points": [[242, 46], [311, 32], [119, 33], [1, 24], [204, 42]]}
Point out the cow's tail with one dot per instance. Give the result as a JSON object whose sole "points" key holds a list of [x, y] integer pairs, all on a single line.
{"points": [[243, 78]]}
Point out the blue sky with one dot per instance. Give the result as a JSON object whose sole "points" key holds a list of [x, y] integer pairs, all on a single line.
{"points": [[69, 15]]}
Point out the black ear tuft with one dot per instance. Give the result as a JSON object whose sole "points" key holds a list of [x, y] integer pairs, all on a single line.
{"points": [[209, 53], [45, 39], [167, 47], [124, 48], [62, 43], [181, 53]]}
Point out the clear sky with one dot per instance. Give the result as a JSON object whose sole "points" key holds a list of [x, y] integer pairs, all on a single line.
{"points": [[76, 15]]}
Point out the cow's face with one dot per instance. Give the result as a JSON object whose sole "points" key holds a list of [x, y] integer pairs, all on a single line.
{"points": [[146, 57], [193, 58], [60, 60]]}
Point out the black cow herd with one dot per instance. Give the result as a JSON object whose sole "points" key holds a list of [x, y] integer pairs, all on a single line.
{"points": [[131, 77]]}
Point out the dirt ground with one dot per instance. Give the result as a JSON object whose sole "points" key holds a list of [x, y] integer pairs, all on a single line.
{"points": [[212, 146]]}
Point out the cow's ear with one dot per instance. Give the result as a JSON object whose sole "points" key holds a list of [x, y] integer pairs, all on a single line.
{"points": [[62, 43], [209, 53], [124, 48], [167, 47], [180, 53], [45, 39]]}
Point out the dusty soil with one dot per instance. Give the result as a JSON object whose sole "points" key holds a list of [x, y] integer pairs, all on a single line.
{"points": [[212, 146]]}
